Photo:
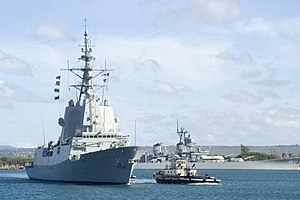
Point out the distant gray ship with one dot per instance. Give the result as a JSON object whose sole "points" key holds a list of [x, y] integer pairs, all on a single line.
{"points": [[286, 164], [202, 159], [91, 148]]}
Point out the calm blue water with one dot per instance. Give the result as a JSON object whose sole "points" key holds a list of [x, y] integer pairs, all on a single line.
{"points": [[237, 184]]}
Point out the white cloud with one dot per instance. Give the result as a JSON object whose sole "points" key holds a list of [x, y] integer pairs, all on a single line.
{"points": [[283, 112], [56, 31], [272, 125], [283, 123], [4, 103], [164, 88], [23, 145], [143, 64], [10, 64], [282, 116], [201, 49], [250, 74], [269, 94], [214, 11], [227, 126], [211, 12], [258, 25], [10, 92], [244, 58], [270, 28], [6, 90], [289, 26], [242, 96], [164, 58], [272, 83]]}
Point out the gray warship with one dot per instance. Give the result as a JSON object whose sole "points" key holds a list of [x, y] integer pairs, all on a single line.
{"points": [[201, 159], [91, 148]]}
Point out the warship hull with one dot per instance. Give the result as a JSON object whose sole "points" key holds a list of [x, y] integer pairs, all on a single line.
{"points": [[111, 166], [248, 165]]}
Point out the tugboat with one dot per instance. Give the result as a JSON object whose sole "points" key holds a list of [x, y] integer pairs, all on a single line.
{"points": [[179, 173], [91, 148]]}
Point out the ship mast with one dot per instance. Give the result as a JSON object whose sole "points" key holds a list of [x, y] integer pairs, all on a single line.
{"points": [[86, 87], [87, 72]]}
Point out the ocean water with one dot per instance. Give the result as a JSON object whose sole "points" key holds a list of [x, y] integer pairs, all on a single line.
{"points": [[236, 184]]}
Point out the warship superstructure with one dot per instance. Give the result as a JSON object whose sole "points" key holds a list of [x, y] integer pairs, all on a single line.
{"points": [[187, 149], [91, 147]]}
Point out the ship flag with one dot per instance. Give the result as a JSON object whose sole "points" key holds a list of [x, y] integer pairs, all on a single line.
{"points": [[57, 83], [105, 79]]}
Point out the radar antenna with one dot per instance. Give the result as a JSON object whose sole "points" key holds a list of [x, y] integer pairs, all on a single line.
{"points": [[87, 87], [181, 133]]}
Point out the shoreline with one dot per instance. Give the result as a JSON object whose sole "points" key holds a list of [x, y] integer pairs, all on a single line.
{"points": [[12, 167]]}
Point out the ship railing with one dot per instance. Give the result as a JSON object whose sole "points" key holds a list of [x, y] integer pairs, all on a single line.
{"points": [[123, 136], [100, 136]]}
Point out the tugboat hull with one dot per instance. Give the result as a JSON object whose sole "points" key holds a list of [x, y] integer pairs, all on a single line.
{"points": [[201, 180], [111, 166]]}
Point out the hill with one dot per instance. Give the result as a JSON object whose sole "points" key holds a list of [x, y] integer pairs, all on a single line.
{"points": [[7, 147]]}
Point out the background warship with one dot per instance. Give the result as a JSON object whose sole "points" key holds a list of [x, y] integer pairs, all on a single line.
{"points": [[90, 147], [202, 159]]}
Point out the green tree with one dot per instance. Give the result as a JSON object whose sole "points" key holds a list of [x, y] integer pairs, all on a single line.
{"points": [[15, 160], [244, 150]]}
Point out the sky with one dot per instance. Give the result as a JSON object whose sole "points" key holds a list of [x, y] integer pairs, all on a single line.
{"points": [[228, 70]]}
